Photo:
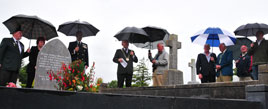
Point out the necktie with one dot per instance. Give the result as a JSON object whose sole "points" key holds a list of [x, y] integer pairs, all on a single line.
{"points": [[125, 50], [220, 58], [17, 42]]}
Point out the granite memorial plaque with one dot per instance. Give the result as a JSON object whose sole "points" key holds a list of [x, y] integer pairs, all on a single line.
{"points": [[49, 58]]}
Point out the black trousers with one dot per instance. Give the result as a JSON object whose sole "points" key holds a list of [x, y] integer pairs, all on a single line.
{"points": [[124, 77], [208, 78], [7, 76], [30, 78]]}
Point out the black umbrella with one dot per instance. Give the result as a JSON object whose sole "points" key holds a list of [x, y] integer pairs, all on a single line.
{"points": [[32, 27], [70, 28], [156, 35], [133, 35], [251, 29], [236, 48]]}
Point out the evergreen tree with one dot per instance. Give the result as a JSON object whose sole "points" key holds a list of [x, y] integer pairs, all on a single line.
{"points": [[141, 75], [112, 84], [22, 73]]}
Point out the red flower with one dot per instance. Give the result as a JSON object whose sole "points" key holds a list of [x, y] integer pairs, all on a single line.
{"points": [[11, 84], [70, 67], [83, 78], [50, 76], [91, 85], [64, 84]]}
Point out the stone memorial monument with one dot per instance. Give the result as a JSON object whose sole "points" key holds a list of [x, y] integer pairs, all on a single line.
{"points": [[50, 57], [173, 76], [193, 72]]}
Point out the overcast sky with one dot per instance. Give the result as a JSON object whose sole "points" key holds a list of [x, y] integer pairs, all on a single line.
{"points": [[181, 17]]}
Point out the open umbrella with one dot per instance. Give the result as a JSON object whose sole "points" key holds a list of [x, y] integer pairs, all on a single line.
{"points": [[213, 37], [133, 35], [250, 29], [70, 28], [156, 35], [236, 48], [32, 27]]}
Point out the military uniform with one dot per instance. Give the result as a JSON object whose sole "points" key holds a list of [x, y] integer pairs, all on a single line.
{"points": [[82, 54]]}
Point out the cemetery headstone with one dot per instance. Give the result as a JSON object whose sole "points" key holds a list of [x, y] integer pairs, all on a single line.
{"points": [[193, 72], [50, 57], [173, 76]]}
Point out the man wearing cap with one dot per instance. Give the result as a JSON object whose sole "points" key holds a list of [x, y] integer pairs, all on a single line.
{"points": [[124, 58], [78, 49], [11, 54]]}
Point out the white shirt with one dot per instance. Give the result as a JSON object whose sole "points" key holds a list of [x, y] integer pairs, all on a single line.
{"points": [[243, 54], [126, 50], [79, 42], [207, 56], [259, 42], [18, 44]]}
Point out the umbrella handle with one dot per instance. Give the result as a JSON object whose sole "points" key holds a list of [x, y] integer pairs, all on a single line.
{"points": [[30, 43]]}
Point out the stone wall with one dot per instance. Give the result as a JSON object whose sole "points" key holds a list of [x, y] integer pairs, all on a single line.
{"points": [[232, 90], [20, 98]]}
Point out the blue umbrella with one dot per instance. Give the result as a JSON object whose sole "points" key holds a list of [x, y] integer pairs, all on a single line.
{"points": [[213, 37]]}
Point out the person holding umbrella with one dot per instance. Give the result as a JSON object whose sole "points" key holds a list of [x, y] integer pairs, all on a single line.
{"points": [[11, 54], [78, 49], [33, 53], [160, 64], [259, 50], [125, 58]]}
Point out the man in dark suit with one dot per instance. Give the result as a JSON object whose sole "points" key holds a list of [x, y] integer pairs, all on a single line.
{"points": [[224, 65], [11, 54], [124, 72], [205, 65], [33, 53], [78, 49]]}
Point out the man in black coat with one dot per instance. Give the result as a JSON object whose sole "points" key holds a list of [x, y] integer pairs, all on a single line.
{"points": [[122, 56], [33, 53], [11, 54], [205, 65], [78, 49]]}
